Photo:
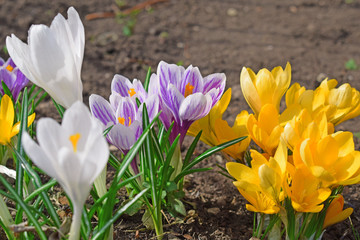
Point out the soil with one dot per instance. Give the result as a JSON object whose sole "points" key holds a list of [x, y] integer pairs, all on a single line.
{"points": [[316, 36]]}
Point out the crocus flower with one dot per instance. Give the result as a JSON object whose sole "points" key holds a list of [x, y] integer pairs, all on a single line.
{"points": [[332, 159], [340, 104], [14, 79], [7, 127], [74, 153], [122, 111], [186, 96], [262, 183], [305, 191], [266, 130], [53, 57], [335, 212], [216, 131], [265, 87], [306, 126]]}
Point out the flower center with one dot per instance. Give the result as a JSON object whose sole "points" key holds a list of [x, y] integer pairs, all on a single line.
{"points": [[131, 92], [9, 68], [122, 120], [74, 140], [188, 89]]}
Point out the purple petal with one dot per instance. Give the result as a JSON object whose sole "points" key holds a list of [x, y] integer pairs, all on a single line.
{"points": [[216, 80], [173, 101], [152, 106], [195, 107], [169, 74], [154, 85], [121, 85], [101, 109], [166, 116], [192, 77], [126, 109], [20, 82], [140, 91], [122, 137], [2, 62], [7, 77]]}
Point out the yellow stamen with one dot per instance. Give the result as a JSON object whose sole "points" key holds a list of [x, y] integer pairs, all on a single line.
{"points": [[74, 140], [188, 89], [9, 68], [129, 121], [131, 92], [121, 120]]}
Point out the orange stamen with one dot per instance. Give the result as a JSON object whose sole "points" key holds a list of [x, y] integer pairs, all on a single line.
{"points": [[121, 120], [74, 140], [9, 68], [131, 92], [188, 89]]}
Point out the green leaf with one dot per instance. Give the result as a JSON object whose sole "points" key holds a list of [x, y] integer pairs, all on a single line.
{"points": [[117, 215], [24, 207], [7, 90], [179, 207], [133, 209], [147, 79], [351, 65], [147, 220]]}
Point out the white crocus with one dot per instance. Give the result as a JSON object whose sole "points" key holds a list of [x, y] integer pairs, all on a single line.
{"points": [[53, 57], [74, 153]]}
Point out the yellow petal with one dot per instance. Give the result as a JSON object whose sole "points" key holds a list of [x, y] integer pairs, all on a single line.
{"points": [[249, 90]]}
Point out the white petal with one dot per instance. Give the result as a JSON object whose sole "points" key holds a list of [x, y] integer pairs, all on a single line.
{"points": [[78, 33], [50, 136], [20, 54], [39, 157]]}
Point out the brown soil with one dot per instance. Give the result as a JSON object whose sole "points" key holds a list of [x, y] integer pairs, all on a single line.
{"points": [[316, 36]]}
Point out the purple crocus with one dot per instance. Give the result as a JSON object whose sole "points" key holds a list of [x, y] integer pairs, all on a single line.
{"points": [[185, 96], [122, 113], [14, 79]]}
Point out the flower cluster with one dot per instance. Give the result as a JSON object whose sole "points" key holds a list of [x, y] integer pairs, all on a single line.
{"points": [[303, 162]]}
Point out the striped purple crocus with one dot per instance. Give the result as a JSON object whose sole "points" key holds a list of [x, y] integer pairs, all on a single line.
{"points": [[122, 112], [14, 79], [186, 96]]}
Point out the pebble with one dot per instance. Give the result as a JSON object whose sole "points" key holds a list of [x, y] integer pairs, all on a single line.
{"points": [[232, 12], [214, 210]]}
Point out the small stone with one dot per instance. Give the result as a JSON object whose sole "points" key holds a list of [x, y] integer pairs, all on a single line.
{"points": [[214, 210], [321, 77], [232, 12], [180, 45], [293, 9]]}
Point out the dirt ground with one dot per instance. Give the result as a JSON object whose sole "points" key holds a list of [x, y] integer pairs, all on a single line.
{"points": [[316, 36]]}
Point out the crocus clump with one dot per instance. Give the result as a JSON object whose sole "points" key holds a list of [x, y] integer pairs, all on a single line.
{"points": [[305, 179]]}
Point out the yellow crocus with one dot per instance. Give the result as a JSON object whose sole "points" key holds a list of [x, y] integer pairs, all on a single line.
{"points": [[306, 126], [335, 212], [332, 159], [7, 127], [216, 131], [261, 184], [265, 87], [340, 104], [305, 191], [266, 130]]}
